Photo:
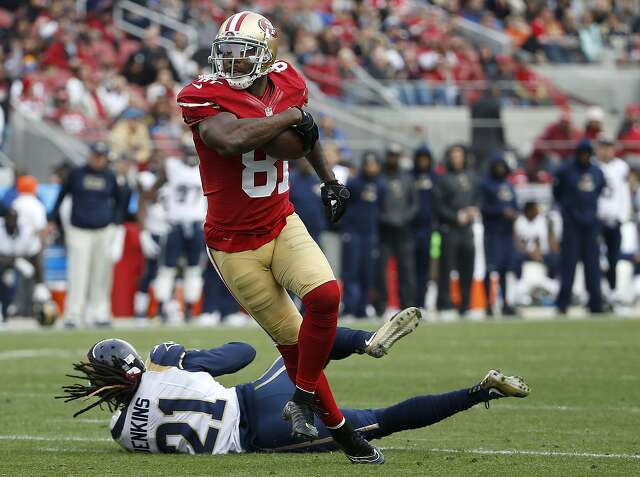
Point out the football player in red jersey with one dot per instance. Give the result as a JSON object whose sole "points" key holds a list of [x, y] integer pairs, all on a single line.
{"points": [[240, 117]]}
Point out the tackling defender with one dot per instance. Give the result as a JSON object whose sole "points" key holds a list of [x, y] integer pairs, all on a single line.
{"points": [[247, 120], [174, 404]]}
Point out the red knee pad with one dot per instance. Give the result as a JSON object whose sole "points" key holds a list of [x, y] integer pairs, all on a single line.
{"points": [[323, 301]]}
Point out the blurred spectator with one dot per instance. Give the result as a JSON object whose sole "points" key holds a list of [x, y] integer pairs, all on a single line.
{"points": [[163, 86], [549, 35], [31, 211], [17, 250], [397, 210], [90, 237], [32, 216], [423, 222], [487, 133], [591, 40], [81, 90], [535, 242], [181, 57], [63, 113], [456, 206], [114, 95], [130, 135], [629, 132], [554, 145], [577, 188], [360, 226], [330, 132], [304, 194], [142, 66], [153, 228], [499, 211], [12, 192], [518, 30], [5, 97], [614, 205], [593, 126]]}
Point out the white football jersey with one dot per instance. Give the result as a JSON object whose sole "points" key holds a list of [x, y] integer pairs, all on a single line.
{"points": [[31, 214], [180, 411], [155, 220], [23, 243], [614, 204], [532, 232], [185, 200]]}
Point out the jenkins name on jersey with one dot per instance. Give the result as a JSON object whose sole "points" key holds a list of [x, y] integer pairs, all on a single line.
{"points": [[180, 408]]}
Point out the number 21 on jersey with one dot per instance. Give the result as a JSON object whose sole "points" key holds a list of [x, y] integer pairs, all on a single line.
{"points": [[256, 164]]}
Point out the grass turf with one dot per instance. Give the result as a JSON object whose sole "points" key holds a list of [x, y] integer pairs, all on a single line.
{"points": [[584, 404]]}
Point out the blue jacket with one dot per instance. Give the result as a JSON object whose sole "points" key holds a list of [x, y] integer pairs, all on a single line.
{"points": [[576, 190], [97, 198], [363, 211], [424, 185], [496, 195], [305, 196]]}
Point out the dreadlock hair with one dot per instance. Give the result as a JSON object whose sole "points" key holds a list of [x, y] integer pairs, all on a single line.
{"points": [[108, 383]]}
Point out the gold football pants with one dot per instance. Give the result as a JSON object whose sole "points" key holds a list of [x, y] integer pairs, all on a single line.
{"points": [[259, 279]]}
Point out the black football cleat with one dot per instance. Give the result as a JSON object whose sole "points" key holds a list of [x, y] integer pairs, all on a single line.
{"points": [[357, 449], [300, 415]]}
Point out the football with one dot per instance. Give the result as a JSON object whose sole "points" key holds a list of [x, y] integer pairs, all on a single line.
{"points": [[287, 145]]}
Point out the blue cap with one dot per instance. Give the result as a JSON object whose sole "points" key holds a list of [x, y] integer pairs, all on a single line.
{"points": [[99, 148]]}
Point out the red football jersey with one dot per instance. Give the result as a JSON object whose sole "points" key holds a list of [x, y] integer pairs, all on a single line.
{"points": [[248, 194]]}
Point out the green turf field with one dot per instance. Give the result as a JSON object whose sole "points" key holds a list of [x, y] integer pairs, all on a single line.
{"points": [[583, 417]]}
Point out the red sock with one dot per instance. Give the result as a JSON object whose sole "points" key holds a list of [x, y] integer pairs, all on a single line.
{"points": [[331, 415], [290, 357], [317, 333]]}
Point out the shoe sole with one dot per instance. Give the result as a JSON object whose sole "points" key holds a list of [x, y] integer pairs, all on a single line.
{"points": [[296, 433], [399, 326], [376, 459], [511, 386]]}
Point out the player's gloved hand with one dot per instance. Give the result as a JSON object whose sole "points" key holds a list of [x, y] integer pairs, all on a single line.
{"points": [[150, 248], [307, 129], [335, 197], [24, 267]]}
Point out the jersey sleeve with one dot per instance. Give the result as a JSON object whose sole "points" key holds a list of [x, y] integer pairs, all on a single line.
{"points": [[296, 84], [197, 102], [225, 359], [167, 354]]}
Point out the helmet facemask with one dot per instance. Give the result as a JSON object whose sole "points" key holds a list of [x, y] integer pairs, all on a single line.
{"points": [[229, 55]]}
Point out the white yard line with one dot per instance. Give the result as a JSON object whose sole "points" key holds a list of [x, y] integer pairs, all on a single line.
{"points": [[35, 353], [53, 439], [508, 452], [540, 453]]}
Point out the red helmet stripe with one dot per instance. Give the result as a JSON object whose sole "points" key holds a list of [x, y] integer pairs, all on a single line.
{"points": [[229, 22], [240, 20]]}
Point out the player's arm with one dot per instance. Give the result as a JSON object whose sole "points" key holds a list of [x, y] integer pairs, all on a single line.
{"points": [[64, 190], [319, 163], [226, 359], [229, 136]]}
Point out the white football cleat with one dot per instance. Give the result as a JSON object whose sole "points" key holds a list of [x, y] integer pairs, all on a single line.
{"points": [[400, 325], [505, 386]]}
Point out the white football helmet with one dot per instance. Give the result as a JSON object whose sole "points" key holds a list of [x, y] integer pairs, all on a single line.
{"points": [[245, 36]]}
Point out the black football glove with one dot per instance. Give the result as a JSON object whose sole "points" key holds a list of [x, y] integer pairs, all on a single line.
{"points": [[335, 198], [307, 129]]}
